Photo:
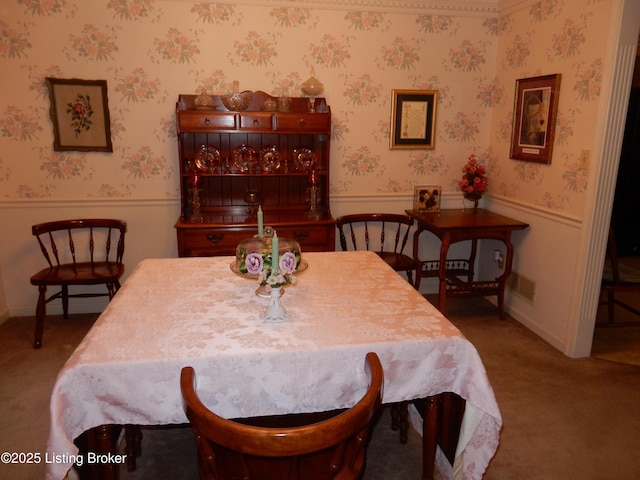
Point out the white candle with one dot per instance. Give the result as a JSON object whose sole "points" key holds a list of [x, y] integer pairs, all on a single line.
{"points": [[274, 253], [260, 221]]}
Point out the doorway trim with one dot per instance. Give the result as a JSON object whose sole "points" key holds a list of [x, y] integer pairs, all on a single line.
{"points": [[623, 43]]}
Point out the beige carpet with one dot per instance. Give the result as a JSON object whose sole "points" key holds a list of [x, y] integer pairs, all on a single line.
{"points": [[621, 343], [617, 344], [564, 419]]}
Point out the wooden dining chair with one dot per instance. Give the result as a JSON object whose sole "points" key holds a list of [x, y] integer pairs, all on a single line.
{"points": [[79, 252], [614, 281], [293, 447], [391, 231]]}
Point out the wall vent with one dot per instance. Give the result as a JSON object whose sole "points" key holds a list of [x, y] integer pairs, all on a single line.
{"points": [[523, 286]]}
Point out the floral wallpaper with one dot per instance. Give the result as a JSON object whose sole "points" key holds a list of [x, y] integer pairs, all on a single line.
{"points": [[552, 36], [149, 51]]}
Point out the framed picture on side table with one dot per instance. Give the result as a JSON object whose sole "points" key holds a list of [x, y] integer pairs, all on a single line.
{"points": [[80, 115], [534, 118], [427, 198], [413, 119]]}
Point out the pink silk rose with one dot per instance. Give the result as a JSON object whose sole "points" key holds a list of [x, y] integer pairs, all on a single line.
{"points": [[287, 263], [254, 263]]}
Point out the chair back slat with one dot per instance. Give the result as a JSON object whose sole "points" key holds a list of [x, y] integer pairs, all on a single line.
{"points": [[44, 251], [394, 230], [88, 232], [72, 247]]}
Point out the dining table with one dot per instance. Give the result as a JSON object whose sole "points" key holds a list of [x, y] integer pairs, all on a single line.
{"points": [[201, 312]]}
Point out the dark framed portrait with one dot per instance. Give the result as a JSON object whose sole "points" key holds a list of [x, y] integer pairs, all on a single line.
{"points": [[534, 118]]}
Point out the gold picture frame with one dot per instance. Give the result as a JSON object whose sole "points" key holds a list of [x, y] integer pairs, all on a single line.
{"points": [[427, 198], [80, 115], [413, 119], [534, 118]]}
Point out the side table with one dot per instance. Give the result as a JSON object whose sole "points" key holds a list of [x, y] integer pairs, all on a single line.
{"points": [[456, 276]]}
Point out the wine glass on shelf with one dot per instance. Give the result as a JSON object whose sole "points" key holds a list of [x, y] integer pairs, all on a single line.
{"points": [[252, 198]]}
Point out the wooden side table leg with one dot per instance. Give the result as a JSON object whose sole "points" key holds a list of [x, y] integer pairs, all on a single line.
{"points": [[442, 272], [505, 275]]}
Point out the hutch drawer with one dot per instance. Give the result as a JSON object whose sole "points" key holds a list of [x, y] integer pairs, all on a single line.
{"points": [[303, 122], [257, 122], [198, 242], [201, 122]]}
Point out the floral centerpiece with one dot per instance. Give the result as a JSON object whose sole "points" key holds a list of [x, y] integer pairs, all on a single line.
{"points": [[273, 262], [474, 179], [261, 264]]}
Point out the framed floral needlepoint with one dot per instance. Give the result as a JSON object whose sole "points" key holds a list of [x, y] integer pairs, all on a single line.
{"points": [[80, 115]]}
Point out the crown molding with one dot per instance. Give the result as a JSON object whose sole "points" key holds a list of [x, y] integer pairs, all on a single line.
{"points": [[458, 7], [509, 6]]}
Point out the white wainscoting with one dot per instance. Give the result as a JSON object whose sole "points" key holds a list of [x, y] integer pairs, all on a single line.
{"points": [[150, 233], [545, 253]]}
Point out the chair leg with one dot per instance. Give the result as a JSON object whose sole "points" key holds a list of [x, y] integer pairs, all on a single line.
{"points": [[41, 311], [65, 301], [610, 305], [410, 278], [112, 290], [400, 420]]}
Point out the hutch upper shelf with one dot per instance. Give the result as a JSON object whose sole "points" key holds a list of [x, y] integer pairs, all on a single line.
{"points": [[232, 161]]}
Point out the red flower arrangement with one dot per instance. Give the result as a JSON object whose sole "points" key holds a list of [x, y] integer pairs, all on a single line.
{"points": [[474, 177]]}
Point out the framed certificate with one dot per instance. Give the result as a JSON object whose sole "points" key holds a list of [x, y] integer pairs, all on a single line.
{"points": [[413, 119]]}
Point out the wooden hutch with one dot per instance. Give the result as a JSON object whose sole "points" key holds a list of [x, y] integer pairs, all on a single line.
{"points": [[268, 155]]}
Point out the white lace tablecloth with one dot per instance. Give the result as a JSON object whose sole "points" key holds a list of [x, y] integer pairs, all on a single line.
{"points": [[194, 311]]}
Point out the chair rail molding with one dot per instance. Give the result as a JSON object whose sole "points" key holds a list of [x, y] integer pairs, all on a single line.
{"points": [[459, 7], [14, 203]]}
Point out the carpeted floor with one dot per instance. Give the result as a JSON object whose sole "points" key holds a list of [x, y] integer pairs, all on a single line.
{"points": [[563, 418], [618, 343]]}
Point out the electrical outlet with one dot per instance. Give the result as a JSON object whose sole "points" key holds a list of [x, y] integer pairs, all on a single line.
{"points": [[584, 159]]}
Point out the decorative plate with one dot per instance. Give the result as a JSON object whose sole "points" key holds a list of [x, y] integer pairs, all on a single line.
{"points": [[234, 268], [269, 159], [244, 157], [208, 159], [304, 159]]}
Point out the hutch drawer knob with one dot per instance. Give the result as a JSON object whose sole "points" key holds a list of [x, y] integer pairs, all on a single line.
{"points": [[207, 121], [299, 236], [302, 122], [255, 122], [215, 237]]}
